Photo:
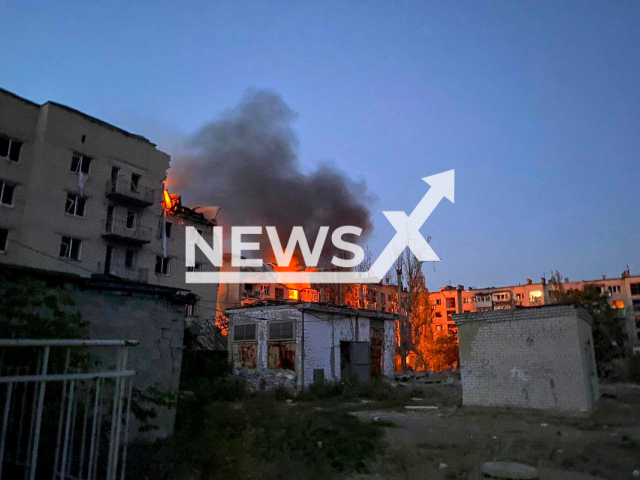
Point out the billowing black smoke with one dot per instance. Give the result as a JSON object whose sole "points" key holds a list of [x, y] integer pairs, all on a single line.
{"points": [[246, 162]]}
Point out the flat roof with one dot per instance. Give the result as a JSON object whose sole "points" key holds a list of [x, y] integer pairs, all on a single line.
{"points": [[317, 307], [78, 112], [523, 313]]}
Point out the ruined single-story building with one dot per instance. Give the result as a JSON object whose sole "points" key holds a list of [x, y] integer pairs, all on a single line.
{"points": [[537, 357], [298, 344]]}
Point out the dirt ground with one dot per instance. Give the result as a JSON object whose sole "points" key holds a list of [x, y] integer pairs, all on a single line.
{"points": [[452, 442]]}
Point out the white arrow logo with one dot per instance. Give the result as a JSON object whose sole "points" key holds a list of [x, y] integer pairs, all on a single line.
{"points": [[408, 228]]}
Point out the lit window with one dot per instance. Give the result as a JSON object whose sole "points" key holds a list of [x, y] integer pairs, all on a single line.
{"points": [[70, 248], [438, 328], [4, 238], [80, 163], [163, 266], [75, 205], [535, 296], [10, 148]]}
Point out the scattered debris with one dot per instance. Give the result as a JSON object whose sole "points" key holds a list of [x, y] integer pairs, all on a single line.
{"points": [[509, 470], [443, 466]]}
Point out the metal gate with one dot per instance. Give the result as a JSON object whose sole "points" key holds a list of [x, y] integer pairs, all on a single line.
{"points": [[64, 409]]}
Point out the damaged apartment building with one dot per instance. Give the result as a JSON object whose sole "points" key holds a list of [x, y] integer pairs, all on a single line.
{"points": [[298, 344], [81, 196], [85, 199]]}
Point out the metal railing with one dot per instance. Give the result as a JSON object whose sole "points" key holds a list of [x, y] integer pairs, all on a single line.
{"points": [[123, 187], [120, 271], [119, 228], [61, 419]]}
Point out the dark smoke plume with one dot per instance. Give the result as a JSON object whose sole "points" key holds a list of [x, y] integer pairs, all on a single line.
{"points": [[246, 162]]}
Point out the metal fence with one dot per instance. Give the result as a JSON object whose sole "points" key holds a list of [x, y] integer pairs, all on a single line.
{"points": [[64, 409]]}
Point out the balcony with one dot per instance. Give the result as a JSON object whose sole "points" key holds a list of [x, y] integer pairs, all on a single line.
{"points": [[117, 231], [133, 274], [126, 191]]}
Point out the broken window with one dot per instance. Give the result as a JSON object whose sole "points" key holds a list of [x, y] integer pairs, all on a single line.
{"points": [[135, 182], [70, 248], [131, 220], [163, 265], [282, 355], [246, 331], [10, 148], [279, 292], [168, 229], [4, 237], [6, 193], [191, 310], [80, 163], [280, 330], [75, 205], [130, 259], [614, 288]]}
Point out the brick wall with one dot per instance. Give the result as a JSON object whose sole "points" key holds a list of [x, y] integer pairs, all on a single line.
{"points": [[539, 357]]}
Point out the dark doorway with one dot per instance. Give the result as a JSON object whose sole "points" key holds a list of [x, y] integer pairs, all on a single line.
{"points": [[355, 360]]}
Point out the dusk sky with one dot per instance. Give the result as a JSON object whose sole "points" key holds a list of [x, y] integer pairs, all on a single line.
{"points": [[536, 105]]}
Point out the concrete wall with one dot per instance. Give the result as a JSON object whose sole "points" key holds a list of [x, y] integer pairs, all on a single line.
{"points": [[157, 323], [538, 357], [318, 332]]}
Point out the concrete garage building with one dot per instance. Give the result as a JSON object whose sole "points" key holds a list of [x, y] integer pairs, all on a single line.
{"points": [[298, 344], [539, 357]]}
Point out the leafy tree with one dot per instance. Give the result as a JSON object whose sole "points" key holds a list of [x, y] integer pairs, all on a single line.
{"points": [[608, 327], [30, 308]]}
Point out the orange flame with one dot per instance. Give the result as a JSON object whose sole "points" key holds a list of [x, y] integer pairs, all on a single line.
{"points": [[167, 200], [294, 294]]}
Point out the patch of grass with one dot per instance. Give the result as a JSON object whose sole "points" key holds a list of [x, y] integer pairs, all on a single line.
{"points": [[259, 437]]}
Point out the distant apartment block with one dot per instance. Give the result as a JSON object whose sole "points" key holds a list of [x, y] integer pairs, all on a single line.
{"points": [[622, 292], [81, 196]]}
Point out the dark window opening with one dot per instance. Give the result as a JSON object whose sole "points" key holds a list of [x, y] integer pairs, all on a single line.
{"points": [[168, 229], [10, 148], [130, 259], [280, 330], [131, 220], [4, 239], [80, 163], [163, 266], [135, 182], [70, 248], [6, 193], [245, 331], [75, 205]]}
